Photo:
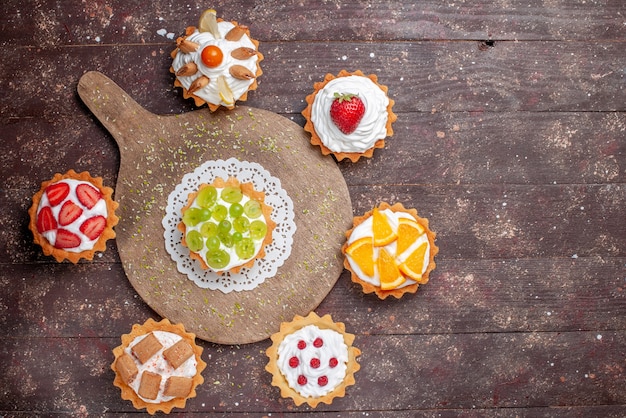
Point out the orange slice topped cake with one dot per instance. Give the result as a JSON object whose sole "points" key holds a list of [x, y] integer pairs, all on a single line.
{"points": [[217, 62], [390, 251], [72, 216]]}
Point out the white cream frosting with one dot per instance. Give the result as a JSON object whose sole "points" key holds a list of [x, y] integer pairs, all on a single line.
{"points": [[333, 347], [100, 209], [158, 364], [371, 128], [210, 92], [234, 258], [365, 230]]}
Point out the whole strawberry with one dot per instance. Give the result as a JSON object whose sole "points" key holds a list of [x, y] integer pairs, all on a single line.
{"points": [[346, 112]]}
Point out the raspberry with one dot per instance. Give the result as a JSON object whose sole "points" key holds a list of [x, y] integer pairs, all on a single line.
{"points": [[318, 342], [302, 380], [301, 345], [294, 362], [322, 380], [315, 363], [333, 362]]}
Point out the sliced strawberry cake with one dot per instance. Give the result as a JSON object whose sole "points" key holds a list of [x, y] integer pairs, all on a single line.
{"points": [[72, 216]]}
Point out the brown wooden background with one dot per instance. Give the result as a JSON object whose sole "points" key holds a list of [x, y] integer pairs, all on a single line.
{"points": [[511, 139]]}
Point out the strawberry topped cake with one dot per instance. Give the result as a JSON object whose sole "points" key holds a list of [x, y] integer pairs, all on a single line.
{"points": [[312, 359], [349, 115], [216, 63], [72, 216]]}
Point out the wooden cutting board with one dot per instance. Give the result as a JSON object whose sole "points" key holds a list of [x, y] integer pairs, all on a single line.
{"points": [[157, 151]]}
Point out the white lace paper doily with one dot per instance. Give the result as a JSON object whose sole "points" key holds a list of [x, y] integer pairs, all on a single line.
{"points": [[277, 251]]}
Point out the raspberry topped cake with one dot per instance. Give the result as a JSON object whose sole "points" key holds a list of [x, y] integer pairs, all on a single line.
{"points": [[72, 216], [390, 250], [312, 359], [349, 115], [216, 63], [158, 366], [226, 225]]}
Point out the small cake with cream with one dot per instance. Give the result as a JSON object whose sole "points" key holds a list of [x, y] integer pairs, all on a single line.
{"points": [[390, 250], [312, 359], [226, 225], [158, 366], [349, 115], [72, 216], [217, 62]]}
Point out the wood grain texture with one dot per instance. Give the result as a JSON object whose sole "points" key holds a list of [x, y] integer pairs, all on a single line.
{"points": [[157, 151], [510, 138], [462, 371], [425, 77], [129, 22], [476, 296]]}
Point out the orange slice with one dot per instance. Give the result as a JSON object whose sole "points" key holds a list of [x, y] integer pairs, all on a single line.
{"points": [[361, 252], [390, 276], [414, 264], [408, 232], [383, 232]]}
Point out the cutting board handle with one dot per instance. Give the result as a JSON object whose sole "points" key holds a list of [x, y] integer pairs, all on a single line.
{"points": [[115, 109]]}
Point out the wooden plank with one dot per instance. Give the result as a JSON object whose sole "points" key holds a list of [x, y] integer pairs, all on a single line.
{"points": [[549, 148], [458, 148], [512, 221], [450, 76], [70, 22], [35, 148], [488, 221], [463, 371], [440, 148], [421, 76], [463, 296], [492, 296], [613, 411], [69, 301], [499, 221]]}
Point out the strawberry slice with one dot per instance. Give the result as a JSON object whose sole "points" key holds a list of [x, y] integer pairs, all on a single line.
{"points": [[88, 195], [69, 213], [93, 227], [66, 239], [45, 220], [57, 192]]}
